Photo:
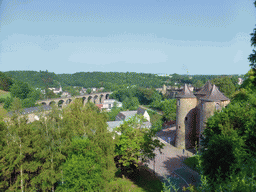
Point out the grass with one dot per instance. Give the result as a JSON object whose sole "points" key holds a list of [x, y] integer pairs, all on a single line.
{"points": [[4, 94], [143, 180], [192, 162]]}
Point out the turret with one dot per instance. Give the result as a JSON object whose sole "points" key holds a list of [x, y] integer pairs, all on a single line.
{"points": [[185, 118], [213, 101]]}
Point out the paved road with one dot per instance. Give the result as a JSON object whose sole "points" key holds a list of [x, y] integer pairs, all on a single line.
{"points": [[170, 163]]}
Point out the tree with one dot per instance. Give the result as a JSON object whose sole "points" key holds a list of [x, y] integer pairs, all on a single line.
{"points": [[84, 167], [88, 91], [5, 82], [17, 154], [225, 85], [20, 89], [198, 84], [131, 103], [88, 121], [135, 142]]}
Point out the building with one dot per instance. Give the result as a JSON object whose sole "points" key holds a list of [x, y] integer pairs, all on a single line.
{"points": [[109, 103], [192, 112], [240, 81], [125, 115], [56, 90]]}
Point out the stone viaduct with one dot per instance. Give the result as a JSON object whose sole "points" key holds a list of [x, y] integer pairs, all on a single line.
{"points": [[96, 98]]}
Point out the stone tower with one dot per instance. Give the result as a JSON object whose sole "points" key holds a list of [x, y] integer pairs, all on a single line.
{"points": [[214, 101], [185, 118], [192, 112]]}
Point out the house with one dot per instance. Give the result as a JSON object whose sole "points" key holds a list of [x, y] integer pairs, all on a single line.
{"points": [[109, 103], [65, 94], [56, 90], [82, 91], [125, 115]]}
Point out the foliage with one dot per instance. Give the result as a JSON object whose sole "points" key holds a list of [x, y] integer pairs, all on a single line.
{"points": [[8, 102], [5, 82], [20, 90], [192, 162], [88, 122], [225, 85], [113, 113], [168, 106], [83, 168], [135, 142], [249, 82], [131, 103]]}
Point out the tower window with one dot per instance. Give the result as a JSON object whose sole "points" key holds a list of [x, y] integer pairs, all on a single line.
{"points": [[217, 106]]}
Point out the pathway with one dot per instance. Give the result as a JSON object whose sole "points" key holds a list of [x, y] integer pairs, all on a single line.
{"points": [[170, 164]]}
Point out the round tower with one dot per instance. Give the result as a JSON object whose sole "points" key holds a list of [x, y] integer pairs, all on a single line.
{"points": [[214, 101], [185, 118]]}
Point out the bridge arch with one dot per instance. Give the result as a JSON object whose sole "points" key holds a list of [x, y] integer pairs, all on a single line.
{"points": [[68, 101], [107, 96], [83, 100], [52, 103], [89, 99], [43, 103], [60, 103], [101, 98], [95, 99]]}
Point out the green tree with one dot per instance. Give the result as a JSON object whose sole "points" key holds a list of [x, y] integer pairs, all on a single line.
{"points": [[20, 89], [225, 85], [88, 121], [88, 90], [5, 82], [83, 168], [17, 165], [135, 142], [198, 84], [131, 103]]}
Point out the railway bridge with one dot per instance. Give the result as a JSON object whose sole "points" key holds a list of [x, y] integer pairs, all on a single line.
{"points": [[96, 98]]}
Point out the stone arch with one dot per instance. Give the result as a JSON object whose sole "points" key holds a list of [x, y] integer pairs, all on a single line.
{"points": [[95, 99], [43, 103], [68, 101], [101, 98], [89, 98], [107, 96], [60, 103], [52, 103], [83, 100]]}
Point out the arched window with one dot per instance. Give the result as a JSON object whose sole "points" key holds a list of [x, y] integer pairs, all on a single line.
{"points": [[217, 106], [178, 102]]}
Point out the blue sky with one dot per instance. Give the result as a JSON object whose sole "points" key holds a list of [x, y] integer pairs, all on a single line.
{"points": [[149, 36]]}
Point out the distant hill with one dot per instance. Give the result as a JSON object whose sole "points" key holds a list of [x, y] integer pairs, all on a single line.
{"points": [[108, 80], [89, 79]]}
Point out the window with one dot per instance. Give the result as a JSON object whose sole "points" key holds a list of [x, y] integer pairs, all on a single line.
{"points": [[217, 106], [178, 102], [186, 118]]}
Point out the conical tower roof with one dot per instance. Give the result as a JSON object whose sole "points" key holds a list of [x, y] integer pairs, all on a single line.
{"points": [[206, 90], [215, 95], [185, 93]]}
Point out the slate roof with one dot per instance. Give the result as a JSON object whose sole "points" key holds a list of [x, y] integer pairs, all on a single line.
{"points": [[123, 115], [185, 93], [215, 95], [140, 111], [113, 124], [206, 90], [33, 110]]}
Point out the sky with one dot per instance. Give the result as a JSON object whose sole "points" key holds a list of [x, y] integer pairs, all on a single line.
{"points": [[146, 36]]}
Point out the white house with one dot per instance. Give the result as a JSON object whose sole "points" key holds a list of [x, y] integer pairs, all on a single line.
{"points": [[109, 103]]}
